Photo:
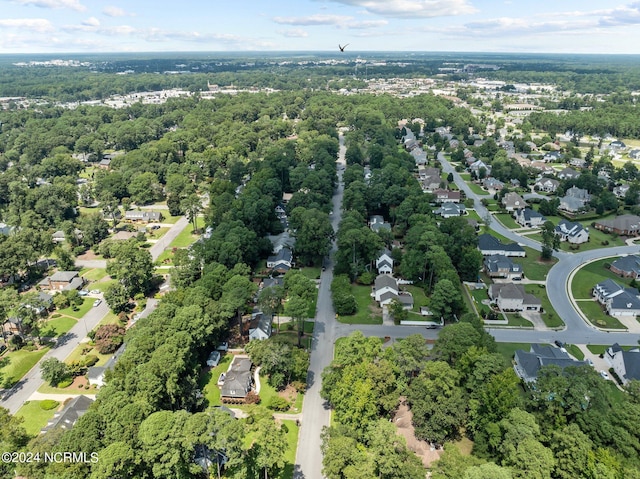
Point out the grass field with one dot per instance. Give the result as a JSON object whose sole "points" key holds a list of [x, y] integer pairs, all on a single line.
{"points": [[87, 304], [20, 362], [532, 266], [35, 418], [58, 326], [507, 220], [549, 316], [103, 285], [186, 236], [591, 274], [209, 381], [419, 298], [95, 274], [476, 189], [46, 389], [364, 315], [311, 272], [508, 349], [575, 351], [292, 430], [596, 315], [516, 319]]}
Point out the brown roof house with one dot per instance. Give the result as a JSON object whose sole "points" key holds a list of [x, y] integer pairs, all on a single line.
{"points": [[62, 281], [513, 201], [626, 225]]}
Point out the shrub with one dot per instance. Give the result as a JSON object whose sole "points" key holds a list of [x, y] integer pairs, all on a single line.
{"points": [[48, 404], [252, 398], [277, 403], [65, 383], [91, 335], [76, 368], [90, 360], [299, 386]]}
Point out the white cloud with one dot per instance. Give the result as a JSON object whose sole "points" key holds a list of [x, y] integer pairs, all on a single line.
{"points": [[294, 33], [113, 11], [72, 4], [41, 25], [313, 20], [91, 22], [413, 8], [339, 21]]}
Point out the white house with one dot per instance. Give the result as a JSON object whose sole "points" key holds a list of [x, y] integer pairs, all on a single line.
{"points": [[384, 262], [529, 218], [617, 300], [260, 327], [572, 232], [450, 210], [626, 364], [512, 297]]}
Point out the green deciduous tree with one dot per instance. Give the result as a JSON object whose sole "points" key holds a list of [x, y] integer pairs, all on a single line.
{"points": [[53, 371]]}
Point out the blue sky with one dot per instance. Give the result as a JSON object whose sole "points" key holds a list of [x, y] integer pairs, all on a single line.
{"points": [[565, 26]]}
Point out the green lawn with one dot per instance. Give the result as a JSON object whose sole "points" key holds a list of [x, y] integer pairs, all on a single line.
{"points": [[209, 381], [477, 189], [76, 354], [549, 316], [507, 220], [35, 418], [165, 258], [87, 304], [591, 274], [292, 444], [169, 219], [473, 215], [103, 285], [601, 348], [95, 274], [515, 319], [186, 238], [596, 315], [478, 296], [20, 362], [311, 272], [575, 351], [58, 326], [419, 297], [46, 389], [364, 315], [533, 267], [465, 176], [508, 349]]}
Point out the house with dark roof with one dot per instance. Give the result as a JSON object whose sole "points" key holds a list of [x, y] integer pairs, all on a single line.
{"points": [[384, 262], [490, 245], [446, 196], [575, 199], [548, 185], [259, 326], [62, 281], [573, 232], [626, 266], [282, 261], [625, 225], [568, 174], [616, 299], [513, 297], [450, 210], [237, 381], [626, 364], [386, 290], [377, 223], [527, 364], [552, 157], [136, 216], [69, 415], [513, 201], [529, 218], [499, 266], [492, 184]]}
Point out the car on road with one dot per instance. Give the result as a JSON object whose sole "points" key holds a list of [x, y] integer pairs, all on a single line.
{"points": [[559, 343], [604, 374], [97, 302]]}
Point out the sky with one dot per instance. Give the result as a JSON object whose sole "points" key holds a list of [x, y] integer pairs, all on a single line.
{"points": [[518, 26]]}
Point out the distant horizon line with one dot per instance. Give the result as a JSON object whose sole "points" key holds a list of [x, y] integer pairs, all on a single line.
{"points": [[315, 52]]}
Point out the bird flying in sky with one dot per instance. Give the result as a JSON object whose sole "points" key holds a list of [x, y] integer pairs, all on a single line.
{"points": [[341, 47]]}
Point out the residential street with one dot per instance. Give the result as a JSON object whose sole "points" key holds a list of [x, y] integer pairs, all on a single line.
{"points": [[316, 414], [14, 398]]}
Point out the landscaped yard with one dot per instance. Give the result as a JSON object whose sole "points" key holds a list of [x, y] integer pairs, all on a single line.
{"points": [[591, 274], [575, 351], [186, 236], [533, 267], [165, 258], [549, 316], [20, 362], [596, 315], [103, 285], [515, 319], [209, 381], [507, 220], [364, 315], [419, 297], [94, 274], [56, 327], [87, 304], [509, 349], [477, 189], [35, 418]]}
